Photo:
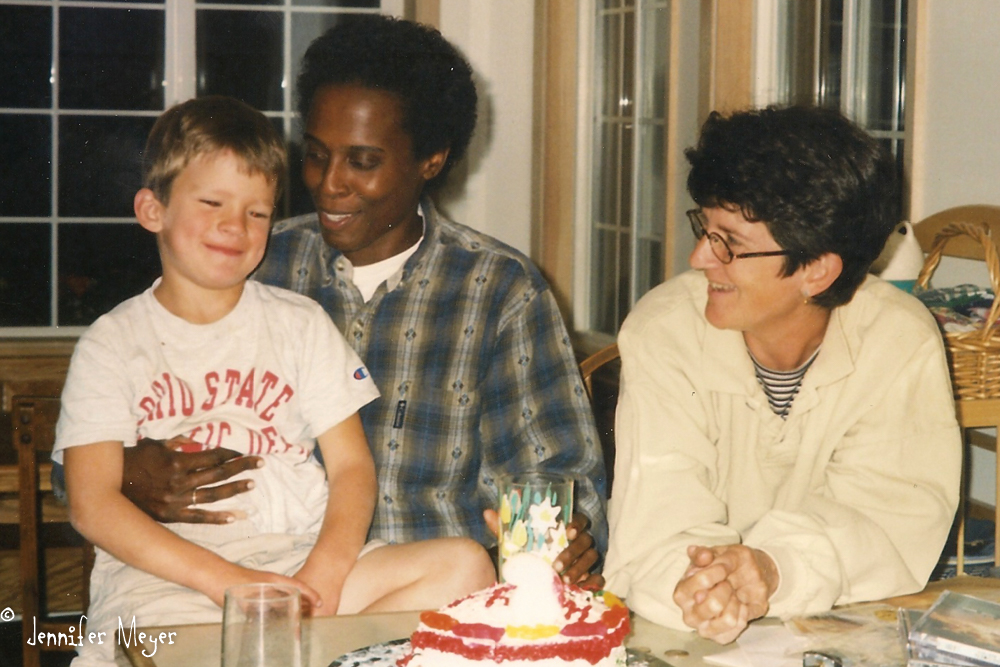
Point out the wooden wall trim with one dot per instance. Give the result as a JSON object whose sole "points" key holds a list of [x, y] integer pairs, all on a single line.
{"points": [[914, 164], [556, 96], [673, 148], [727, 55], [427, 12]]}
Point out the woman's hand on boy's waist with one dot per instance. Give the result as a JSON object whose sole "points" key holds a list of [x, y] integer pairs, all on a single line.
{"points": [[164, 481]]}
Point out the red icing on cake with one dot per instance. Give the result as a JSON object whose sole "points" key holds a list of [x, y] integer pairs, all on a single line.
{"points": [[529, 624]]}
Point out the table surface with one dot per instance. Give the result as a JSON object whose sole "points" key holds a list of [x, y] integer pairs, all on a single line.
{"points": [[325, 639]]}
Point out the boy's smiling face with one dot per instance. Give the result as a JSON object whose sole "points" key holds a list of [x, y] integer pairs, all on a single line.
{"points": [[213, 232]]}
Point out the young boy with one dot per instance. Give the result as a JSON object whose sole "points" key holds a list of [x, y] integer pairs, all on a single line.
{"points": [[224, 362]]}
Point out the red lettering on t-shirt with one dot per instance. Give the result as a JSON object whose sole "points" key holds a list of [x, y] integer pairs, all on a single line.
{"points": [[254, 442], [147, 404], [271, 435], [267, 414], [158, 391], [187, 398], [224, 429], [171, 412], [212, 386], [232, 379], [245, 397], [267, 383]]}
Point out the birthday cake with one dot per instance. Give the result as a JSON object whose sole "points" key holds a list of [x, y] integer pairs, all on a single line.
{"points": [[532, 619]]}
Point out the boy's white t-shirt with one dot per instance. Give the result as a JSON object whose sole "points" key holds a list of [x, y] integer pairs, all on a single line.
{"points": [[266, 379]]}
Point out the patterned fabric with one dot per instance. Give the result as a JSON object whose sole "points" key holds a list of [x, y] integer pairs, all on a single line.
{"points": [[960, 308], [780, 387], [476, 371]]}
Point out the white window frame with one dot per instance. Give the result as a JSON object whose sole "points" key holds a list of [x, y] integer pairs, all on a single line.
{"points": [[179, 84], [583, 267], [772, 85]]}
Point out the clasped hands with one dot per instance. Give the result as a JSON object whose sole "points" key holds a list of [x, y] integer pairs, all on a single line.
{"points": [[724, 588]]}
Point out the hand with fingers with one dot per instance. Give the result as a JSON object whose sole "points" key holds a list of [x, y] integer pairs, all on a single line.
{"points": [[576, 560], [724, 588], [166, 478]]}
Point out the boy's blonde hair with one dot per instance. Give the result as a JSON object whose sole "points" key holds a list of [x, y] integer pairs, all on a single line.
{"points": [[207, 125]]}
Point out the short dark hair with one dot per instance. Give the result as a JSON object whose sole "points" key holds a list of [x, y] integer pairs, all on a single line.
{"points": [[206, 125], [818, 181], [414, 62]]}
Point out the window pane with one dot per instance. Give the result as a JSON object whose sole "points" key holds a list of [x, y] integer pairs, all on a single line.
{"points": [[25, 152], [306, 28], [831, 47], [607, 174], [626, 166], [610, 66], [604, 281], [26, 54], [101, 265], [25, 267], [241, 2], [358, 4], [883, 67], [650, 271], [100, 163], [628, 64], [656, 46], [623, 276], [298, 199], [239, 54], [111, 58], [652, 189]]}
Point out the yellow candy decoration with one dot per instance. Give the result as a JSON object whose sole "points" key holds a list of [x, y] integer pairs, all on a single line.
{"points": [[532, 631], [612, 600]]}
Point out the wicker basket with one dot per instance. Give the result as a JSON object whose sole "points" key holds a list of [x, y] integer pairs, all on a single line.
{"points": [[974, 356]]}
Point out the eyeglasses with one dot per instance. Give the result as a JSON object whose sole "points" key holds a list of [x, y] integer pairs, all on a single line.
{"points": [[719, 247]]}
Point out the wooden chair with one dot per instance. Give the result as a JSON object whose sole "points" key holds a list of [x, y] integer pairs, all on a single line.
{"points": [[972, 413], [603, 403], [33, 426], [964, 247], [595, 361]]}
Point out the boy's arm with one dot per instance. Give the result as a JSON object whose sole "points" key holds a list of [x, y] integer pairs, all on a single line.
{"points": [[100, 512], [350, 506]]}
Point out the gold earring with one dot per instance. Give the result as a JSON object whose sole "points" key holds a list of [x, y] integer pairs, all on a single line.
{"points": [[806, 298]]}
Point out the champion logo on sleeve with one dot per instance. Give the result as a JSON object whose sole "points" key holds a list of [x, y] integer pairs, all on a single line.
{"points": [[361, 373]]}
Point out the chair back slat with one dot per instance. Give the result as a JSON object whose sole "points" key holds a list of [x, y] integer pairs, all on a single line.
{"points": [[33, 420]]}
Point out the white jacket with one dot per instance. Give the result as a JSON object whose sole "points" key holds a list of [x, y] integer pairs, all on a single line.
{"points": [[853, 495]]}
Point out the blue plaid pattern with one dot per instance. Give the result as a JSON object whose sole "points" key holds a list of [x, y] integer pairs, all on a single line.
{"points": [[476, 371]]}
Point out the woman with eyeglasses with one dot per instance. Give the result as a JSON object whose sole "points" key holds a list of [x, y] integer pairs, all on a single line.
{"points": [[786, 433]]}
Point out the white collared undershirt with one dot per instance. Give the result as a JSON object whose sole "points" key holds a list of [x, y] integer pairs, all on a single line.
{"points": [[367, 278]]}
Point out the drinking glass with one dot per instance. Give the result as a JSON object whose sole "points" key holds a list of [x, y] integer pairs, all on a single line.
{"points": [[261, 626], [535, 509]]}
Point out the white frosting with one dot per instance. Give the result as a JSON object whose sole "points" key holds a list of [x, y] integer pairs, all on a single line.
{"points": [[535, 597]]}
